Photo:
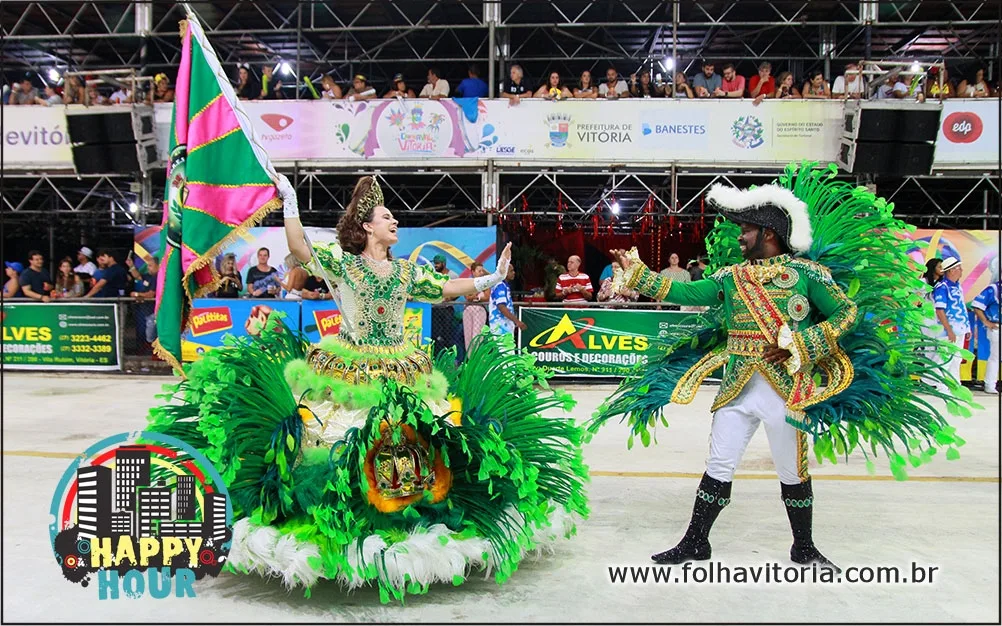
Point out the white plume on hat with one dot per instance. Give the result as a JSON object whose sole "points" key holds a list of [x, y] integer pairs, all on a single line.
{"points": [[740, 200]]}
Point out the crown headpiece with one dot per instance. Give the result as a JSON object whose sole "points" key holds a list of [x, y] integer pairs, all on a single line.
{"points": [[369, 201]]}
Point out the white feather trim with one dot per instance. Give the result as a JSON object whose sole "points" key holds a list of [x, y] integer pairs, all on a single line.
{"points": [[423, 557], [738, 200]]}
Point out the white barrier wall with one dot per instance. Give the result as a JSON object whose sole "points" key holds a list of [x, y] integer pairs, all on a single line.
{"points": [[693, 132]]}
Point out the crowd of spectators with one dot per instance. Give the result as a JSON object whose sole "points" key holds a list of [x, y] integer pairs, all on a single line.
{"points": [[268, 84]]}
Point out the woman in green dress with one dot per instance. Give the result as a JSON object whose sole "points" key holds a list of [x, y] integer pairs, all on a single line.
{"points": [[363, 460]]}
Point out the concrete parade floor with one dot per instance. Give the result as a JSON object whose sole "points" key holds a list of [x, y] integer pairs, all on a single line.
{"points": [[947, 516]]}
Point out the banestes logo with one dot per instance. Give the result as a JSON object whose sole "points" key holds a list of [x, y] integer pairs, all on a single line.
{"points": [[962, 127], [210, 320], [277, 121]]}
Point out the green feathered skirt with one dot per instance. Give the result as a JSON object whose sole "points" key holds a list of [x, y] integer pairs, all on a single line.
{"points": [[383, 484]]}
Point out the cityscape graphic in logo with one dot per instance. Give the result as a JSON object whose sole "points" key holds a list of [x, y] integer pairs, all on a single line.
{"points": [[747, 132], [141, 510], [559, 125]]}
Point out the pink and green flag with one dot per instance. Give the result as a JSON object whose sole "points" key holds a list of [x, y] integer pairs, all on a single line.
{"points": [[219, 183]]}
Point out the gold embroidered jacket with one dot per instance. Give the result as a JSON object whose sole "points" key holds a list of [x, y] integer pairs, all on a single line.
{"points": [[767, 302]]}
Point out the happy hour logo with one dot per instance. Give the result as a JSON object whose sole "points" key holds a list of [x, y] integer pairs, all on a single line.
{"points": [[143, 511]]}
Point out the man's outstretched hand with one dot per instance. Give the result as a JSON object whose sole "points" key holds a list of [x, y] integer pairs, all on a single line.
{"points": [[775, 354]]}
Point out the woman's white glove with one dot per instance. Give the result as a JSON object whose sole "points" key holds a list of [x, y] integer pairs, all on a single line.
{"points": [[480, 283], [290, 202]]}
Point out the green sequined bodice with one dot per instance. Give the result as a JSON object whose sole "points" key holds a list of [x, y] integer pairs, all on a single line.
{"points": [[372, 295]]}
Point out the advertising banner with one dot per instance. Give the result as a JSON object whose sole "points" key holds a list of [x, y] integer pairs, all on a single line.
{"points": [[214, 318], [60, 336], [35, 137], [968, 134], [597, 341], [642, 130], [321, 318]]}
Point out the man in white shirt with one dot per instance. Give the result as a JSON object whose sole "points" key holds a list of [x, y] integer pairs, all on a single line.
{"points": [[851, 84], [613, 87], [86, 266], [121, 96], [437, 88]]}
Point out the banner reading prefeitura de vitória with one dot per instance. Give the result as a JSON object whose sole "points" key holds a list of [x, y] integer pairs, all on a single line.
{"points": [[596, 341], [60, 336]]}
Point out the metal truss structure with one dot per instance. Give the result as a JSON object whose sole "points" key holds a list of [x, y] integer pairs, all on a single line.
{"points": [[382, 37]]}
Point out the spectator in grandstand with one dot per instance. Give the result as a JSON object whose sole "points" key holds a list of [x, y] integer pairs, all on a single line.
{"points": [[437, 87], [976, 87], [472, 86], [52, 96], [315, 289], [144, 290], [271, 85], [360, 89], [644, 88], [24, 93], [474, 313], [785, 88], [12, 286], [68, 284], [514, 88], [399, 89], [893, 87], [704, 84], [553, 89], [85, 268], [122, 95], [110, 279], [501, 312], [613, 87], [850, 84], [732, 85], [247, 87], [575, 285], [294, 279], [446, 321], [73, 91], [162, 91], [932, 88], [230, 284], [674, 271], [681, 89], [816, 86], [95, 97], [35, 280], [262, 279], [605, 293], [586, 88], [697, 272], [763, 84], [331, 90]]}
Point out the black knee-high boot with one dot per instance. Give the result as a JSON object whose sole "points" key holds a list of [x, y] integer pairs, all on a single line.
{"points": [[711, 497], [799, 501]]}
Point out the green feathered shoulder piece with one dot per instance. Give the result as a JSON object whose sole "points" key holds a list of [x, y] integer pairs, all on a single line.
{"points": [[891, 405]]}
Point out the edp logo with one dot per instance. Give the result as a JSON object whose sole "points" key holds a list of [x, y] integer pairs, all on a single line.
{"points": [[962, 127]]}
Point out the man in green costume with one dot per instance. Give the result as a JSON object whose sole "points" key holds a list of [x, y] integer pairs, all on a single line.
{"points": [[771, 356]]}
